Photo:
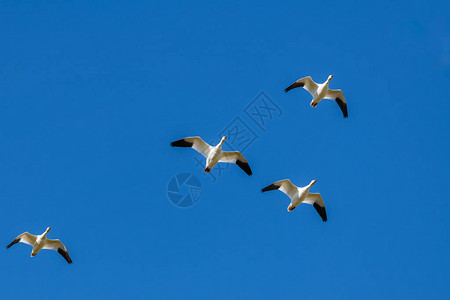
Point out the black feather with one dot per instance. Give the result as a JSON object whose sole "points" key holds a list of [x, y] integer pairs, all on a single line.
{"points": [[343, 107], [244, 166], [321, 211], [13, 243], [65, 254], [181, 143], [270, 188], [293, 86]]}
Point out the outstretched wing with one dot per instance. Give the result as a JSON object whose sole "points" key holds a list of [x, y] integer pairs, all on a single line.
{"points": [[338, 96], [194, 142], [315, 199], [237, 158], [58, 247], [285, 186], [25, 238], [306, 82]]}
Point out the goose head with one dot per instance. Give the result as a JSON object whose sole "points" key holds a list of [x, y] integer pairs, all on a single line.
{"points": [[290, 207], [329, 78], [222, 140], [46, 231], [312, 182]]}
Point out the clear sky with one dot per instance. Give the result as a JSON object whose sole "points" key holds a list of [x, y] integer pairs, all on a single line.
{"points": [[92, 94]]}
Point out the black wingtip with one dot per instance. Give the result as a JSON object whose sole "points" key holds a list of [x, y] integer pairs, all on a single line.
{"points": [[181, 143], [288, 89], [65, 254], [245, 167], [342, 106], [321, 211], [293, 86], [270, 188], [13, 243]]}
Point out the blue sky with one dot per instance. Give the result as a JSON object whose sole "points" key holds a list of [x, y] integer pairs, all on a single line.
{"points": [[93, 93]]}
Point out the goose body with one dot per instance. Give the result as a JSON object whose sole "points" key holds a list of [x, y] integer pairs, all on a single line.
{"points": [[299, 195], [321, 91], [39, 242], [214, 154]]}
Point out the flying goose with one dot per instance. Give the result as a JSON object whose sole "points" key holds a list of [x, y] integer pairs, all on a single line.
{"points": [[299, 195], [214, 154], [41, 242], [321, 91]]}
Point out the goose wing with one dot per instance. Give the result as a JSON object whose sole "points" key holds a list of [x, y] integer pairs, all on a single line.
{"points": [[338, 96], [237, 158], [194, 142], [58, 247], [25, 238], [285, 186], [315, 199], [306, 82]]}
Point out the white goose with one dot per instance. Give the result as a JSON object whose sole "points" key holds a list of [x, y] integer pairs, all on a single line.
{"points": [[321, 91], [41, 242], [214, 154], [299, 195]]}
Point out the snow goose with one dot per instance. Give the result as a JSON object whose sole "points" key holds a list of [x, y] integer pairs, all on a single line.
{"points": [[41, 242], [321, 91], [299, 195], [214, 154]]}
